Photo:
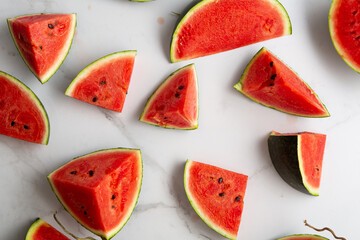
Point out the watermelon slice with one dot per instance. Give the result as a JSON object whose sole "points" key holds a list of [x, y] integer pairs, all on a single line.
{"points": [[216, 195], [214, 26], [41, 230], [21, 113], [100, 189], [298, 158], [303, 237], [105, 82], [345, 31], [43, 41], [175, 103], [268, 81]]}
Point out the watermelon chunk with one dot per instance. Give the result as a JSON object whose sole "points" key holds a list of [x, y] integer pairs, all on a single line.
{"points": [[105, 82], [268, 81], [217, 196], [298, 158], [100, 189], [303, 237], [22, 115], [41, 230], [214, 26], [175, 103], [43, 41]]}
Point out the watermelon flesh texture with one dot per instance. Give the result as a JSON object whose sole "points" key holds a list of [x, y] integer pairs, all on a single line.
{"points": [[41, 230], [344, 27], [105, 82], [214, 26], [303, 237], [267, 80], [21, 113], [43, 41], [217, 195], [175, 103], [100, 190]]}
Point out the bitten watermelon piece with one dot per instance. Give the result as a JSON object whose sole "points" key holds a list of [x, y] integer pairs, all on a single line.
{"points": [[268, 81], [217, 196], [100, 189], [43, 41], [41, 230], [214, 26], [105, 82], [175, 103], [22, 115], [303, 237], [298, 158]]}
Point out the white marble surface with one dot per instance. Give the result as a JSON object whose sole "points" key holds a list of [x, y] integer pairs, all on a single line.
{"points": [[232, 129]]}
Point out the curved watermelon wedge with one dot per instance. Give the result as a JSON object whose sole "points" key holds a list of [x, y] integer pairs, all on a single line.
{"points": [[174, 104], [100, 189], [216, 195], [22, 115], [303, 237], [105, 82], [268, 81], [43, 41], [298, 157], [41, 230], [213, 26]]}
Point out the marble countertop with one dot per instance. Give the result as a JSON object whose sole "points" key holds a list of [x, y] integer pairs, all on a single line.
{"points": [[232, 129]]}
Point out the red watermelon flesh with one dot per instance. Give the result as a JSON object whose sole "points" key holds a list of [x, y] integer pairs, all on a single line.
{"points": [[100, 190], [21, 113], [214, 26], [175, 103], [269, 81], [43, 41], [41, 230], [217, 195], [105, 82], [303, 237], [344, 24]]}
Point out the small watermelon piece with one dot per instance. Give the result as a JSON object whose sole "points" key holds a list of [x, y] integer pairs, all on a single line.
{"points": [[217, 196], [345, 31], [22, 114], [213, 26], [298, 158], [105, 82], [268, 81], [43, 41], [303, 237], [174, 104], [100, 189], [41, 230]]}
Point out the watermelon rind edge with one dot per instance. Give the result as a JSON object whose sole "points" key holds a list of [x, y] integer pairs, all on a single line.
{"points": [[57, 66], [35, 98], [314, 237], [238, 87], [195, 126], [112, 234], [197, 208], [199, 4], [33, 228]]}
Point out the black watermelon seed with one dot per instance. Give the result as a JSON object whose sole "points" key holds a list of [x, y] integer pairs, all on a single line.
{"points": [[41, 47], [126, 92], [50, 26], [177, 95], [237, 199], [21, 37], [221, 194], [82, 207], [273, 76], [102, 82], [73, 172], [165, 118], [271, 64], [113, 206], [85, 212], [181, 87], [113, 196], [220, 180], [12, 123], [271, 84], [94, 99], [26, 127], [91, 173], [317, 169]]}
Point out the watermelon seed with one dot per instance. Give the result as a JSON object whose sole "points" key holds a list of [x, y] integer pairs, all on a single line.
{"points": [[102, 82], [273, 76], [21, 37], [220, 180], [113, 197], [82, 207], [271, 84], [41, 47], [177, 95], [12, 123], [91, 173], [271, 64], [181, 87], [26, 127], [221, 194], [73, 172], [165, 118], [94, 99], [317, 169], [237, 198], [354, 12], [113, 206], [85, 212], [51, 26]]}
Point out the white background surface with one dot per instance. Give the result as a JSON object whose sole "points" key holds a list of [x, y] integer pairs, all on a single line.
{"points": [[232, 129]]}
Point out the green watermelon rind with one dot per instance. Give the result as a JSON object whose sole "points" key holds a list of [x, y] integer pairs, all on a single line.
{"points": [[94, 65], [101, 234], [312, 236], [66, 50], [163, 84], [197, 208], [238, 87], [35, 100], [36, 224], [199, 4]]}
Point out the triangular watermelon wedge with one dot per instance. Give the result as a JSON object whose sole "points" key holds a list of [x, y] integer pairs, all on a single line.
{"points": [[270, 82], [100, 189], [22, 115], [217, 196], [43, 41], [105, 82], [174, 104], [41, 230]]}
